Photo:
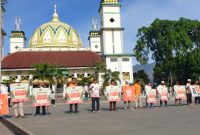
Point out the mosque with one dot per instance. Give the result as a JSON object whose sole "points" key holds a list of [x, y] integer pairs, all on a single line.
{"points": [[56, 42]]}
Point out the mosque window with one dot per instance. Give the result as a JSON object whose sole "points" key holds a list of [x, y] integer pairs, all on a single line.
{"points": [[113, 59], [112, 20], [47, 36], [96, 46], [16, 47], [62, 37], [125, 59]]}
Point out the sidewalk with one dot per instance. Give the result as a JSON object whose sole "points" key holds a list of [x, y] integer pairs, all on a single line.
{"points": [[4, 130]]}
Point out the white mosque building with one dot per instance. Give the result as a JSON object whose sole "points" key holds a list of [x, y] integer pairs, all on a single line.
{"points": [[56, 42]]}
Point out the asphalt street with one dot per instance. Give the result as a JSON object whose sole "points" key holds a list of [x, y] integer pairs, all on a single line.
{"points": [[172, 120]]}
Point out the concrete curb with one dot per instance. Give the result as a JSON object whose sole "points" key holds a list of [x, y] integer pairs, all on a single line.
{"points": [[15, 128]]}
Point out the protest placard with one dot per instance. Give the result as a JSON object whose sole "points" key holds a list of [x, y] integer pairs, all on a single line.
{"points": [[113, 93], [19, 92]]}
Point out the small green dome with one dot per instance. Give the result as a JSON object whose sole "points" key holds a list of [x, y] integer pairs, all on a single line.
{"points": [[55, 34]]}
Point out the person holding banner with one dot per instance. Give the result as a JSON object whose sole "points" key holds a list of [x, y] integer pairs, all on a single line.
{"points": [[189, 92], [197, 88], [19, 94], [128, 93], [138, 99], [95, 94], [179, 92], [113, 94], [41, 98], [73, 84], [163, 92], [150, 96]]}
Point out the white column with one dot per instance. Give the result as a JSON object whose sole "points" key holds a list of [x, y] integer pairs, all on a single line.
{"points": [[119, 59], [75, 74], [86, 73]]}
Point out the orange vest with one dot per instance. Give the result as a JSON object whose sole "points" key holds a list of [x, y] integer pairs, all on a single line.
{"points": [[137, 89], [71, 85]]}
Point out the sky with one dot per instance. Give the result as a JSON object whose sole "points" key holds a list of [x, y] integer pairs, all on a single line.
{"points": [[79, 13]]}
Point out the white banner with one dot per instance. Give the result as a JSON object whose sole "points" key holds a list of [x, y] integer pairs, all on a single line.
{"points": [[151, 95], [195, 90], [74, 95], [41, 97], [113, 93], [180, 92], [162, 90], [19, 92]]}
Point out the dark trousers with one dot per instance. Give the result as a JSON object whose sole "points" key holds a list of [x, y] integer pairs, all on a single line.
{"points": [[178, 101], [161, 102], [113, 105], [38, 110], [95, 100], [53, 101], [75, 107], [9, 102], [189, 98], [197, 100]]}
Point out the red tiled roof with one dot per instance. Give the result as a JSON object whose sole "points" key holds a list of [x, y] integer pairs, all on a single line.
{"points": [[22, 60]]}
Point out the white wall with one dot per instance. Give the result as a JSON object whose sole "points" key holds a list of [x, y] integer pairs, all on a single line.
{"points": [[112, 37], [121, 66], [110, 12], [20, 42], [93, 42]]}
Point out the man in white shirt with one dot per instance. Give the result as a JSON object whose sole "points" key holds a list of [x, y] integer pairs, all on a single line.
{"points": [[148, 87], [163, 92], [188, 92], [95, 94]]}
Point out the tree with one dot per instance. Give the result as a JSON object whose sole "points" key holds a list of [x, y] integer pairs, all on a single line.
{"points": [[141, 75], [50, 72], [99, 67], [172, 45], [109, 75]]}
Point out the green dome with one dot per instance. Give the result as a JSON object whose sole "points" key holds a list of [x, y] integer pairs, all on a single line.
{"points": [[55, 34]]}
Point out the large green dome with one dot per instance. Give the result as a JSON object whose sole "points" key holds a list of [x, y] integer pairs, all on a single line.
{"points": [[55, 34]]}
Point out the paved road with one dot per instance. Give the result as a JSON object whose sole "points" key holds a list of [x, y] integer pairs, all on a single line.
{"points": [[171, 120]]}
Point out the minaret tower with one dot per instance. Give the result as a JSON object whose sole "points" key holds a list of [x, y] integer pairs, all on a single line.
{"points": [[111, 32], [94, 37], [17, 38]]}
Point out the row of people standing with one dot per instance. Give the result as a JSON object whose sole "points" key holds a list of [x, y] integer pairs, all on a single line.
{"points": [[136, 88], [95, 90]]}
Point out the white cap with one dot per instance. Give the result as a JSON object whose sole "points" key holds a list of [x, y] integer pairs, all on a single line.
{"points": [[189, 80], [127, 81], [162, 82], [17, 80]]}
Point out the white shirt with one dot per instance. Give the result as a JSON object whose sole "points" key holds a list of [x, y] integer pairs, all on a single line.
{"points": [[4, 89], [95, 90], [162, 88], [188, 88]]}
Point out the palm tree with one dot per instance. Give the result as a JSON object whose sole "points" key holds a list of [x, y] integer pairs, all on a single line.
{"points": [[109, 75], [99, 67], [50, 72]]}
